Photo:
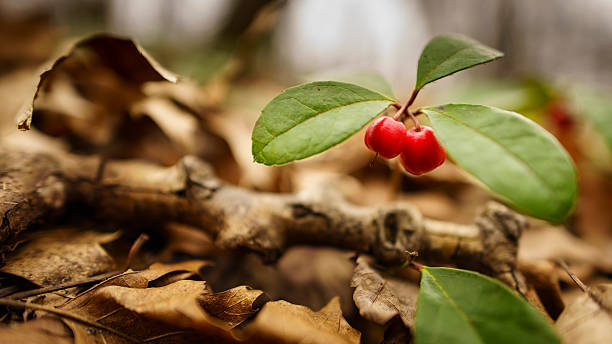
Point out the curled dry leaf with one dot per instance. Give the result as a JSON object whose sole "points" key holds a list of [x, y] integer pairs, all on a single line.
{"points": [[381, 297], [588, 320], [284, 322], [156, 275], [125, 58], [232, 306], [59, 256]]}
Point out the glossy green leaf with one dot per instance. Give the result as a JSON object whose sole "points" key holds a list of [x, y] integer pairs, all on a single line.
{"points": [[448, 54], [519, 161], [459, 306], [310, 118]]}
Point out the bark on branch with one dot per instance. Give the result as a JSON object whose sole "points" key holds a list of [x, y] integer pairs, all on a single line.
{"points": [[35, 185]]}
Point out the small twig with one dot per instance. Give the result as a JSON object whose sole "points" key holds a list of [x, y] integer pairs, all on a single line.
{"points": [[50, 289], [134, 249], [132, 253], [68, 315], [165, 335], [592, 293], [573, 276]]}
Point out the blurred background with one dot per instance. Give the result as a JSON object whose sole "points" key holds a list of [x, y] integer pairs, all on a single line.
{"points": [[234, 56], [561, 40]]}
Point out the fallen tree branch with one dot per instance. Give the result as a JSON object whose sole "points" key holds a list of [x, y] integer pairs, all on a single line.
{"points": [[264, 223]]}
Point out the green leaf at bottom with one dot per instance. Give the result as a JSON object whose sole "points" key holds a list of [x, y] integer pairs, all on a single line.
{"points": [[459, 306]]}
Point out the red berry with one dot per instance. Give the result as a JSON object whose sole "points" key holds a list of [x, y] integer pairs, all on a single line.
{"points": [[386, 137], [422, 151]]}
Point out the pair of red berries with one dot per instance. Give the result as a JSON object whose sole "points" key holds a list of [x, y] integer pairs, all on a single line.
{"points": [[418, 148]]}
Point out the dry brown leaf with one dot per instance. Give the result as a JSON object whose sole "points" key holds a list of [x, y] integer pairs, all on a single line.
{"points": [[381, 297], [543, 278], [156, 275], [233, 306], [555, 243], [284, 322], [237, 133], [59, 256], [86, 97], [153, 312], [45, 330], [588, 320], [179, 125], [157, 303], [132, 65], [304, 275]]}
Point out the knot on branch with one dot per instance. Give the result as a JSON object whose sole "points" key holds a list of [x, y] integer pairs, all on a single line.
{"points": [[500, 229], [398, 230], [200, 179]]}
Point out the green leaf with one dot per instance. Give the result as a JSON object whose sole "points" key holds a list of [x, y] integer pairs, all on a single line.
{"points": [[448, 54], [310, 118], [459, 306], [519, 161]]}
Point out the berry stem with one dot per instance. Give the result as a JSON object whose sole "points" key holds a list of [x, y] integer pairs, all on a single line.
{"points": [[414, 119], [398, 114], [404, 109], [412, 97]]}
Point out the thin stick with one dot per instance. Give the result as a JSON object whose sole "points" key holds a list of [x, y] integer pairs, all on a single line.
{"points": [[592, 293], [68, 315], [132, 253], [50, 289], [573, 276], [165, 335], [134, 249]]}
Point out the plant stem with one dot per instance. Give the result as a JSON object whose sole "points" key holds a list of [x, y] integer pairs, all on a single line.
{"points": [[404, 109], [398, 114], [413, 97], [414, 119]]}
